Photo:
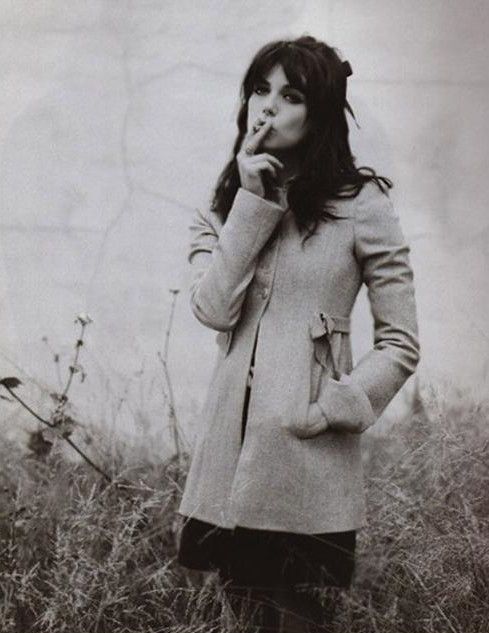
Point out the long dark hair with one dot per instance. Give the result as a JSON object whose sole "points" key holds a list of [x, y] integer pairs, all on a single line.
{"points": [[328, 168]]}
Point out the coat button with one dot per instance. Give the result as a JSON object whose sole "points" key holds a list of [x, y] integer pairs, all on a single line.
{"points": [[264, 293]]}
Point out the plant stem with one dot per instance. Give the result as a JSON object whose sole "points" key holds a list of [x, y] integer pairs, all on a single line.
{"points": [[67, 439], [164, 361], [72, 367]]}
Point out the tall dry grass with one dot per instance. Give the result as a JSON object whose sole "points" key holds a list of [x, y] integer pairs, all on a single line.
{"points": [[81, 555]]}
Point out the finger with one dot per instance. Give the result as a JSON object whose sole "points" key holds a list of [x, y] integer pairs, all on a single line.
{"points": [[253, 140], [264, 166], [256, 127], [269, 157]]}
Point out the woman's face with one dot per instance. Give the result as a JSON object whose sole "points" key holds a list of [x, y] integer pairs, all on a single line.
{"points": [[273, 97]]}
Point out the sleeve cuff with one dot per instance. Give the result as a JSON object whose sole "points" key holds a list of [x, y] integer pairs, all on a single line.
{"points": [[250, 200], [345, 406]]}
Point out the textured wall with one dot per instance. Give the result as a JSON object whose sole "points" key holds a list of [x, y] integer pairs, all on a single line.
{"points": [[116, 118]]}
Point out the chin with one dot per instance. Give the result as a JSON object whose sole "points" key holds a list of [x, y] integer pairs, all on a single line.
{"points": [[272, 144]]}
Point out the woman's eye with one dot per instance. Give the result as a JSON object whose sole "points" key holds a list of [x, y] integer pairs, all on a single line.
{"points": [[293, 98]]}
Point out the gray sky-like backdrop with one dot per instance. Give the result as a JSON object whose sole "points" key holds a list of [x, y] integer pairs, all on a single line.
{"points": [[116, 119]]}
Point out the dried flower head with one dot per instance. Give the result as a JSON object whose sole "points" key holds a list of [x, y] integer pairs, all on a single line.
{"points": [[11, 382], [83, 318]]}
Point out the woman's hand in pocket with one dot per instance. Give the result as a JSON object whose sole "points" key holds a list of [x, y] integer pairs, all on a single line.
{"points": [[345, 406], [342, 406], [314, 424]]}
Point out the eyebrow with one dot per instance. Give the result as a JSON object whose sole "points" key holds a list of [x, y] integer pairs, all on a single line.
{"points": [[264, 81]]}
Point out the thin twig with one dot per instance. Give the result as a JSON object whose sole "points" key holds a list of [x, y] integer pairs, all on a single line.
{"points": [[72, 367], [54, 426], [170, 394]]}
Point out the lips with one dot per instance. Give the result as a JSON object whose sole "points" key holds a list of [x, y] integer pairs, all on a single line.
{"points": [[259, 123]]}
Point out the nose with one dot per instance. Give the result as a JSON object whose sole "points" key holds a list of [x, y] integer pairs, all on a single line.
{"points": [[270, 110]]}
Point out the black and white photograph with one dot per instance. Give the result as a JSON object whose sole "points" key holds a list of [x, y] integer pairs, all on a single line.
{"points": [[244, 353]]}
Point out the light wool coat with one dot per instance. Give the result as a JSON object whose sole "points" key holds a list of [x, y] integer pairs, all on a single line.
{"points": [[250, 280]]}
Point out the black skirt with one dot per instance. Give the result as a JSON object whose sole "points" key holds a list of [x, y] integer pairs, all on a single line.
{"points": [[267, 557]]}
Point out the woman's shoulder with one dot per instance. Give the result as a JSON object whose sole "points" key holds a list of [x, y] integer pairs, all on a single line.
{"points": [[370, 199]]}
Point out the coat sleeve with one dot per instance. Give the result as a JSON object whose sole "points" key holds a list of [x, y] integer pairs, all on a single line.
{"points": [[383, 256], [223, 258], [354, 402]]}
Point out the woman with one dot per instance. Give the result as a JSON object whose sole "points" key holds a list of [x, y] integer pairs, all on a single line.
{"points": [[274, 495]]}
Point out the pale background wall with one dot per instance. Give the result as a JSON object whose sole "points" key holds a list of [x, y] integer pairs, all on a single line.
{"points": [[116, 118]]}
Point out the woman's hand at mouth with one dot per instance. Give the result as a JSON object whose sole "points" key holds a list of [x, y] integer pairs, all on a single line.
{"points": [[250, 164]]}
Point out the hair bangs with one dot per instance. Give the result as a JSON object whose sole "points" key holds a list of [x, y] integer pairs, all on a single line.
{"points": [[286, 55]]}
